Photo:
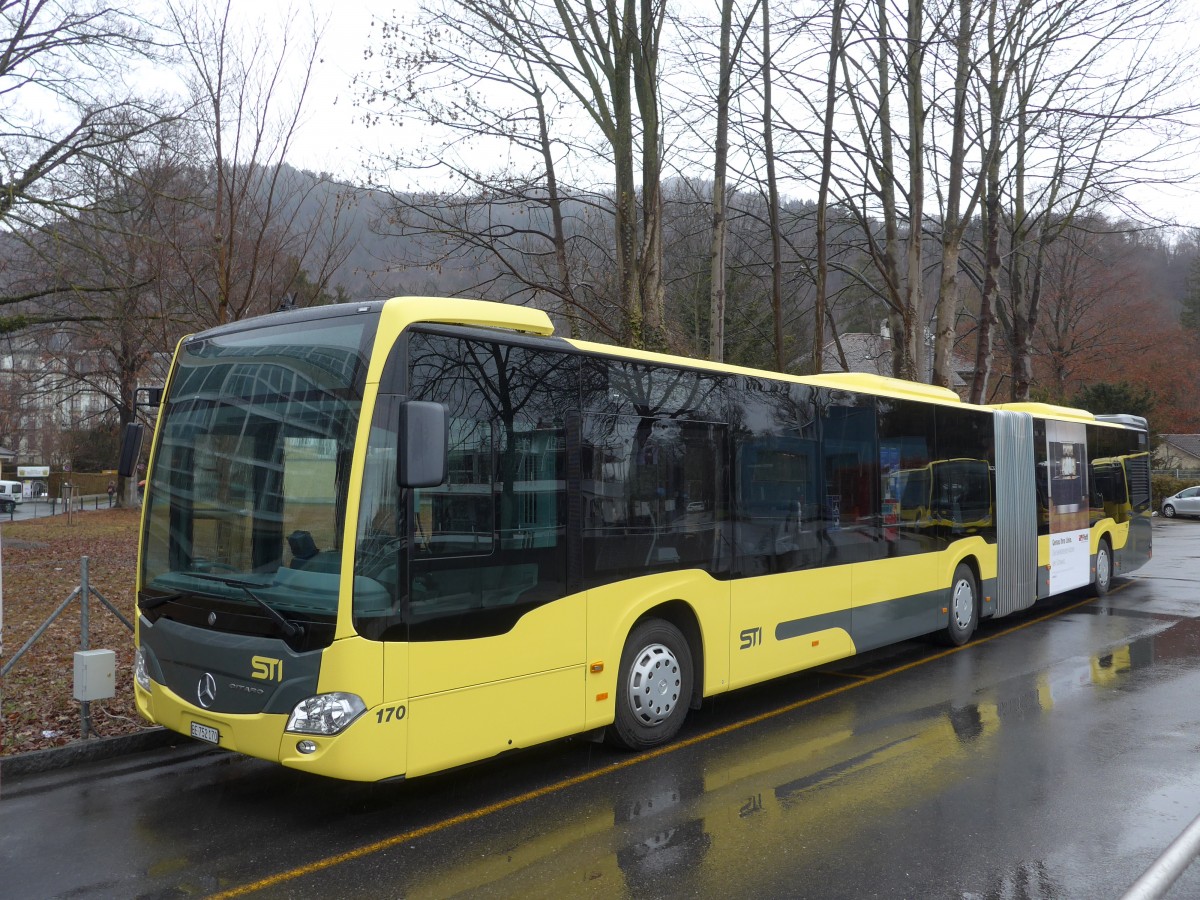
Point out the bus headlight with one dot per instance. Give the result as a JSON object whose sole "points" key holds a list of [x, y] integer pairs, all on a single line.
{"points": [[325, 713], [140, 675]]}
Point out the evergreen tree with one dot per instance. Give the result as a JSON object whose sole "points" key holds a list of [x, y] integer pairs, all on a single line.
{"points": [[1190, 317], [1104, 398]]}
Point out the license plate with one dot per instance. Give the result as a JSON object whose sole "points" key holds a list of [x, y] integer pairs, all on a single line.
{"points": [[204, 733]]}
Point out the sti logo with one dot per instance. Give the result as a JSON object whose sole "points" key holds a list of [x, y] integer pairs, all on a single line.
{"points": [[1081, 539], [264, 668]]}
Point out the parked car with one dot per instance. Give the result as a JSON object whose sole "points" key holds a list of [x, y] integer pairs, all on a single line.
{"points": [[11, 493], [1185, 503]]}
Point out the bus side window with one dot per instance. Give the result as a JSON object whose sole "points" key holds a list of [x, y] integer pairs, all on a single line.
{"points": [[851, 463], [457, 518]]}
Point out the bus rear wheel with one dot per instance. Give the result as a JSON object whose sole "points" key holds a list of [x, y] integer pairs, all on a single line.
{"points": [[1103, 568], [654, 686], [964, 607]]}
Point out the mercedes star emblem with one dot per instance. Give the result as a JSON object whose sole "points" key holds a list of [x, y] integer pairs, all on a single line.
{"points": [[206, 690]]}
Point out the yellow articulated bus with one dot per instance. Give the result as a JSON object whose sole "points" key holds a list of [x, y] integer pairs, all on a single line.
{"points": [[384, 539]]}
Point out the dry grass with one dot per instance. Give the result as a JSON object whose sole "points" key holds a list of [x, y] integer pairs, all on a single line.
{"points": [[41, 566]]}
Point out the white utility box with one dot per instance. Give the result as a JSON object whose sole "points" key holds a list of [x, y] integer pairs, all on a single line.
{"points": [[95, 674]]}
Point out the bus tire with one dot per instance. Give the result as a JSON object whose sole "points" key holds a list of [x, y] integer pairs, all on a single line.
{"points": [[1103, 568], [654, 686], [964, 607]]}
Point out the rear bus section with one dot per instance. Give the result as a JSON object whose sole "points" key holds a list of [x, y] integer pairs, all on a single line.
{"points": [[1090, 482]]}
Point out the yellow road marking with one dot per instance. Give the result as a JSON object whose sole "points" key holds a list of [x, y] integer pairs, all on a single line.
{"points": [[852, 675], [369, 849]]}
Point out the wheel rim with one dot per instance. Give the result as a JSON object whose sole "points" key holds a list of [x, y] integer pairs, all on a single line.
{"points": [[1103, 569], [964, 604], [654, 684], [1168, 511]]}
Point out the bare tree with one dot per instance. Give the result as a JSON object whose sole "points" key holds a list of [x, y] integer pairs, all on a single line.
{"points": [[454, 68], [600, 59], [990, 113], [63, 109], [249, 118], [827, 124], [1075, 133], [871, 62], [772, 186]]}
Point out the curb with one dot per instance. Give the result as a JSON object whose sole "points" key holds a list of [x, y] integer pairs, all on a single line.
{"points": [[36, 761]]}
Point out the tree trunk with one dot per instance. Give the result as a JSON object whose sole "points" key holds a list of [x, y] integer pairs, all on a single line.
{"points": [[952, 230], [990, 299], [887, 191], [716, 343], [914, 332], [625, 218], [566, 293], [773, 194], [642, 37], [822, 285]]}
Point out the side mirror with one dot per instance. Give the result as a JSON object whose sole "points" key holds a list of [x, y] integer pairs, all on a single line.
{"points": [[424, 439], [131, 449]]}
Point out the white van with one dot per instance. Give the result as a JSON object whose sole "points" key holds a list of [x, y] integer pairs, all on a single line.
{"points": [[11, 493]]}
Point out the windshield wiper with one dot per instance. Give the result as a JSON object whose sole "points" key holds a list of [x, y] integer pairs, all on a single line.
{"points": [[289, 628], [152, 602]]}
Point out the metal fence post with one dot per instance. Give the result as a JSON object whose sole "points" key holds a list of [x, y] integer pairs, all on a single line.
{"points": [[82, 591], [85, 707]]}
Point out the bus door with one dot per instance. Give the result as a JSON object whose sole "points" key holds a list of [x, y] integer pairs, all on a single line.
{"points": [[897, 591]]}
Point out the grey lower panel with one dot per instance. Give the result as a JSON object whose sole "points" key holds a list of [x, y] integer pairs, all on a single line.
{"points": [[794, 628], [1016, 513], [188, 659], [987, 598], [877, 624], [880, 624], [1137, 550]]}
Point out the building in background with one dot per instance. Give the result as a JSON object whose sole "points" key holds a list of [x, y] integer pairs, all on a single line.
{"points": [[1178, 453]]}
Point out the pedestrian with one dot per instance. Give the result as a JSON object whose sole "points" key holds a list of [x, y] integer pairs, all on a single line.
{"points": [[112, 492]]}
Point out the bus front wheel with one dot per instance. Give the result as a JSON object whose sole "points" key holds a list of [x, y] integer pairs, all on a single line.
{"points": [[1103, 568], [964, 607], [654, 686]]}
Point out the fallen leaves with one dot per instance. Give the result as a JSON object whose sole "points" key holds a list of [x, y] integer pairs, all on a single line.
{"points": [[41, 567]]}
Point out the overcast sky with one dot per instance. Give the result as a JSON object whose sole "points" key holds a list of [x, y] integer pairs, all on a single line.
{"points": [[335, 139], [332, 137]]}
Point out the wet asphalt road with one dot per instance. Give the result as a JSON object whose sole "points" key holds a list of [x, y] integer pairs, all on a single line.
{"points": [[1054, 757]]}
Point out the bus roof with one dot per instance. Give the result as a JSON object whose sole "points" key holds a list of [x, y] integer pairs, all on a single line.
{"points": [[531, 320], [1047, 411]]}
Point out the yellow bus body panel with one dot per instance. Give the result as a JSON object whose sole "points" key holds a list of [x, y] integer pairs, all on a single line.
{"points": [[880, 580], [546, 638], [354, 665], [469, 724], [472, 699], [761, 603]]}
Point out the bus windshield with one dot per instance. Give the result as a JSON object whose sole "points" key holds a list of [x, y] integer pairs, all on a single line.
{"points": [[246, 500]]}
